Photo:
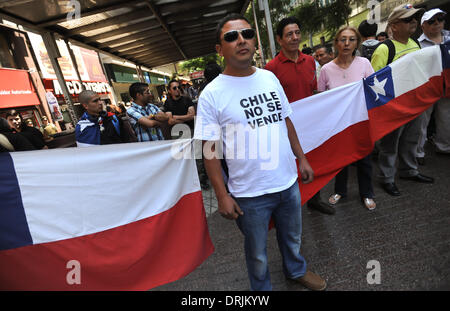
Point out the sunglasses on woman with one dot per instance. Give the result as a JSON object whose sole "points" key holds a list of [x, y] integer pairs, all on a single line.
{"points": [[440, 19], [233, 35]]}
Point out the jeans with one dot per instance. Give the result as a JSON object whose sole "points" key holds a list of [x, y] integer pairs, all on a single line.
{"points": [[285, 209]]}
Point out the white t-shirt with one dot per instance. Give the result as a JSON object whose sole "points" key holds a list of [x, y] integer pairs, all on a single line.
{"points": [[247, 114]]}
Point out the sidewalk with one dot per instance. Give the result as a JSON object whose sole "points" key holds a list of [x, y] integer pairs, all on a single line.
{"points": [[409, 235]]}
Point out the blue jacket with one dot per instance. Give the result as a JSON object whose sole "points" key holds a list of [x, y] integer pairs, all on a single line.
{"points": [[97, 131]]}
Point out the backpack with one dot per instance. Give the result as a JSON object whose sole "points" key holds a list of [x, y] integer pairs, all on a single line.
{"points": [[367, 51], [391, 48]]}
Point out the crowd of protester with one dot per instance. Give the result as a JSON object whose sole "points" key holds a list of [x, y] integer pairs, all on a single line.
{"points": [[353, 55]]}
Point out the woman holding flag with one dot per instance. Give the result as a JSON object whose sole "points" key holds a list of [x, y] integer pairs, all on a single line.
{"points": [[344, 69]]}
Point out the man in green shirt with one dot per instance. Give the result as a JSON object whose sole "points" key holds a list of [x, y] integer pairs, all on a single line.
{"points": [[403, 141]]}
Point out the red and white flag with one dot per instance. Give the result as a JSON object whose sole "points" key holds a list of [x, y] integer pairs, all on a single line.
{"points": [[341, 126], [113, 217]]}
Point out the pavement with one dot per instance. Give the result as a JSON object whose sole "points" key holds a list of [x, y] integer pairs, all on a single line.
{"points": [[409, 236]]}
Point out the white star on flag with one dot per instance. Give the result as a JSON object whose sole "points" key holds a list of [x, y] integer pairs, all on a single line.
{"points": [[378, 87]]}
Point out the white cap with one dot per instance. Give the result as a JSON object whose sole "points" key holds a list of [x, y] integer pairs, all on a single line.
{"points": [[429, 14]]}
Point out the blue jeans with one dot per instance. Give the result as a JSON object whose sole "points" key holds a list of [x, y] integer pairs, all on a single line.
{"points": [[285, 209]]}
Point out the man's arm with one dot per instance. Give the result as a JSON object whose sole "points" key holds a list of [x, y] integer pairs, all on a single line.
{"points": [[161, 116], [305, 169], [227, 206], [181, 119], [187, 117], [146, 122]]}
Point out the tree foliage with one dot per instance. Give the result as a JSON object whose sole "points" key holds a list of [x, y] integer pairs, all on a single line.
{"points": [[199, 63], [313, 18], [278, 10]]}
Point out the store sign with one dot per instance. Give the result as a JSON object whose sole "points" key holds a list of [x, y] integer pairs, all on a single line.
{"points": [[196, 75], [16, 89], [75, 87], [89, 66]]}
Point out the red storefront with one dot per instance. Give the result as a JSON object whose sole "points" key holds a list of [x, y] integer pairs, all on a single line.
{"points": [[17, 92]]}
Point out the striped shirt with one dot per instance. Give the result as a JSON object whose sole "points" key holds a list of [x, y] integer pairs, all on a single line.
{"points": [[135, 112]]}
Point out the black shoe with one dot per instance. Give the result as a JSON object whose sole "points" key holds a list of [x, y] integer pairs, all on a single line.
{"points": [[391, 188], [322, 207], [421, 160], [420, 178]]}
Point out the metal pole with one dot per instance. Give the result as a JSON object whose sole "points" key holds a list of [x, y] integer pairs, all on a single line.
{"points": [[53, 53], [269, 27], [261, 53], [74, 63]]}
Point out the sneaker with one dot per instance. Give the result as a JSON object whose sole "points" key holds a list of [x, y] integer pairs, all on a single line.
{"points": [[312, 281]]}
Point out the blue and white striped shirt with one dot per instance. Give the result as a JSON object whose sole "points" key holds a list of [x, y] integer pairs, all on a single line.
{"points": [[135, 112]]}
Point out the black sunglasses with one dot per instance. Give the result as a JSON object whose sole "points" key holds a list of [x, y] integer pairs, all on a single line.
{"points": [[408, 19], [440, 19], [175, 88], [233, 35]]}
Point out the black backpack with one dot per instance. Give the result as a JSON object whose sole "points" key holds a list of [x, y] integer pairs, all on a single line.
{"points": [[367, 51]]}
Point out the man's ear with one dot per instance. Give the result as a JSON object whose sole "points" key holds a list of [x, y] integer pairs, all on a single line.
{"points": [[278, 39], [219, 49]]}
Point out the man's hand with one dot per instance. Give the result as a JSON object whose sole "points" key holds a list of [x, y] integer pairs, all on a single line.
{"points": [[306, 171], [228, 207]]}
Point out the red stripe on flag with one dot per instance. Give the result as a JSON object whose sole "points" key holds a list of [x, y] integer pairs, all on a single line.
{"points": [[137, 256], [404, 108], [340, 150]]}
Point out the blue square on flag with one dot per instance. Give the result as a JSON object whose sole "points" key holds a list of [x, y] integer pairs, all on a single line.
{"points": [[379, 88]]}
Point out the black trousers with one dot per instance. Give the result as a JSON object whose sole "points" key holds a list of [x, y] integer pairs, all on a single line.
{"points": [[364, 172]]}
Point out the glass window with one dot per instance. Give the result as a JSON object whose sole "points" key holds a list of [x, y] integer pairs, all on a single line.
{"points": [[6, 57]]}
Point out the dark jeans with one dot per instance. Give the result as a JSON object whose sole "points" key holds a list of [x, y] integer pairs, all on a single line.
{"points": [[364, 172]]}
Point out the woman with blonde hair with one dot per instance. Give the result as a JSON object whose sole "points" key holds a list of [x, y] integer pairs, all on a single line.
{"points": [[347, 68]]}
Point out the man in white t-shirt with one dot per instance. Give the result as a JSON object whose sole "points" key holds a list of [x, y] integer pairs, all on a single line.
{"points": [[245, 112]]}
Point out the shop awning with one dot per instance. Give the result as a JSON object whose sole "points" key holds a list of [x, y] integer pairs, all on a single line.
{"points": [[145, 32]]}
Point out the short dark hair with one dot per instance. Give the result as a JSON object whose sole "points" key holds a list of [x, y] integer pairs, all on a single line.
{"points": [[137, 87], [284, 22], [211, 71], [307, 50], [367, 30], [384, 34], [172, 81], [328, 48], [12, 113], [226, 19]]}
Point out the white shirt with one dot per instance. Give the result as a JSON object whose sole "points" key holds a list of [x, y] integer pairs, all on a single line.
{"points": [[247, 115]]}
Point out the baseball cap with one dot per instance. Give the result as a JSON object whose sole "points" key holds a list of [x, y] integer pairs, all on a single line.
{"points": [[429, 14], [403, 11]]}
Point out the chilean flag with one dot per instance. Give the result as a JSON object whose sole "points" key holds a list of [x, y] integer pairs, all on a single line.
{"points": [[341, 126], [112, 217]]}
